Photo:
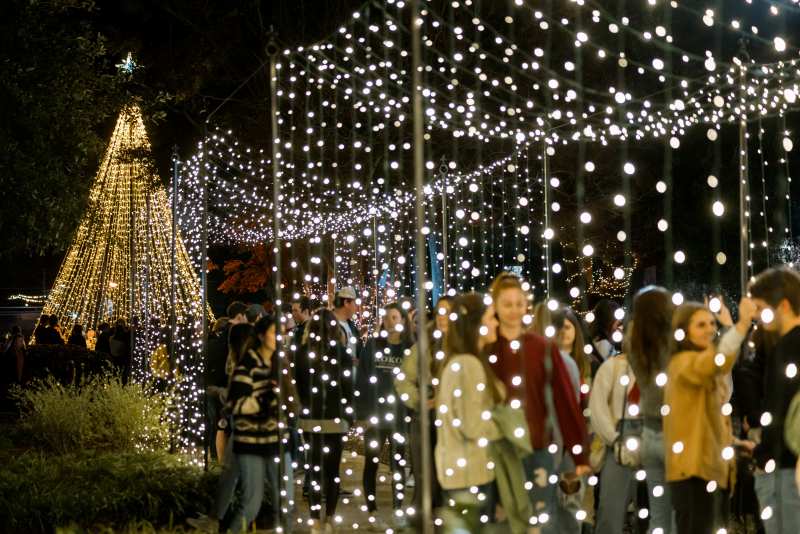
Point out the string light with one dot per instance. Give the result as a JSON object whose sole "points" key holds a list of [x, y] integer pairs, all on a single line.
{"points": [[128, 223]]}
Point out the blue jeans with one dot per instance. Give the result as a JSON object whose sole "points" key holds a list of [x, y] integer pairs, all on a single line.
{"points": [[539, 467], [777, 490], [254, 470], [617, 488], [566, 508], [661, 515], [226, 486], [464, 497]]}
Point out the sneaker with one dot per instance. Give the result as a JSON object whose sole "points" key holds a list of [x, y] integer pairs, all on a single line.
{"points": [[330, 528], [204, 523], [316, 527], [376, 524], [399, 522]]}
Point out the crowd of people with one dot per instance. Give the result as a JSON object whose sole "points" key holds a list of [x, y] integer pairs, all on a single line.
{"points": [[113, 341], [672, 418]]}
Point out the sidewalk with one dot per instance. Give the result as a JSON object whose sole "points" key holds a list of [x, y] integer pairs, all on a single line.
{"points": [[354, 518]]}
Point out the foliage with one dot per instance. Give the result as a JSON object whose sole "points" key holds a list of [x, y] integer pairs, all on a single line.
{"points": [[57, 87], [248, 275], [39, 492], [95, 413]]}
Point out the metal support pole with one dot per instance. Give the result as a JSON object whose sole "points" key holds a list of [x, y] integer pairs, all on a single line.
{"points": [[272, 53], [445, 270], [744, 178], [422, 341], [375, 270], [173, 324], [546, 185], [132, 281], [204, 296]]}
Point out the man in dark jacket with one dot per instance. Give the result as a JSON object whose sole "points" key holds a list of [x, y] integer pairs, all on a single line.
{"points": [[215, 377], [776, 293], [104, 338], [40, 334], [301, 313]]}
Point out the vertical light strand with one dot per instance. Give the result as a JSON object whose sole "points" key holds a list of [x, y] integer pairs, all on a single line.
{"points": [[580, 186], [788, 229], [422, 342], [716, 171], [272, 53], [625, 236], [764, 196]]}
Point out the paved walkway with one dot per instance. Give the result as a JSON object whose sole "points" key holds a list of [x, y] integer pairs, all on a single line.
{"points": [[352, 508]]}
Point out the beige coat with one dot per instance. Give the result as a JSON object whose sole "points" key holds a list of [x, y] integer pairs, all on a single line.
{"points": [[697, 435], [464, 404]]}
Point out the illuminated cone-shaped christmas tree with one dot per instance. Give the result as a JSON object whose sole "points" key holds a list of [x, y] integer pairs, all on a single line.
{"points": [[120, 262], [120, 266]]}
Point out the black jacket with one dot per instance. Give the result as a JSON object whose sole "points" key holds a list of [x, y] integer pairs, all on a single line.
{"points": [[216, 356], [778, 391], [104, 342], [318, 401], [375, 379]]}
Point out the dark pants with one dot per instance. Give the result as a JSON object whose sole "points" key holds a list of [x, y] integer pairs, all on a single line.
{"points": [[212, 416], [415, 440], [325, 456], [696, 510], [374, 439]]}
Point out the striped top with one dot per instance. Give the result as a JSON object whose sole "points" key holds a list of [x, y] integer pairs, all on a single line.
{"points": [[253, 401]]}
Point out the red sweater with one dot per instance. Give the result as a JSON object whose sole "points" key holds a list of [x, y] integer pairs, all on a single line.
{"points": [[531, 391]]}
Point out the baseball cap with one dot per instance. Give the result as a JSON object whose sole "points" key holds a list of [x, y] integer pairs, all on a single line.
{"points": [[346, 293]]}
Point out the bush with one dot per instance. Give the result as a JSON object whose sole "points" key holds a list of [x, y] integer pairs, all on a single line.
{"points": [[39, 493], [95, 413]]}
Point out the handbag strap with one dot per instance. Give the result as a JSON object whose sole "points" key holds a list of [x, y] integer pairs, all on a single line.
{"points": [[549, 424], [625, 396]]}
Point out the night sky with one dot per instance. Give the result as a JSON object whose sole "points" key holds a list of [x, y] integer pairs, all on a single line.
{"points": [[199, 52]]}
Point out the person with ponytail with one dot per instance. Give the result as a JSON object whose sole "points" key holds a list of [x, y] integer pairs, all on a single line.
{"points": [[534, 374], [468, 392], [240, 340], [253, 399], [648, 343]]}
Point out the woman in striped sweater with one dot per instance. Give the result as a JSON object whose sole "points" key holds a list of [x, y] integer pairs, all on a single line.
{"points": [[253, 400]]}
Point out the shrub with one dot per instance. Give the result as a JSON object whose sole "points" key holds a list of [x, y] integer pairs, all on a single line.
{"points": [[95, 413], [39, 492]]}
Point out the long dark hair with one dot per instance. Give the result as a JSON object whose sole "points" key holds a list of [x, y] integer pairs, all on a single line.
{"points": [[261, 327], [603, 319], [464, 332], [406, 338], [436, 345], [680, 321], [240, 340], [650, 338], [558, 318]]}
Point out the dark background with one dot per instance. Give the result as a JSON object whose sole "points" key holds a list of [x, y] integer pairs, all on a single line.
{"points": [[58, 106]]}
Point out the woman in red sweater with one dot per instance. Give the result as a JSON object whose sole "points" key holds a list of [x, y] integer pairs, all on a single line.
{"points": [[541, 384]]}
